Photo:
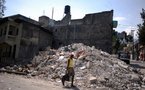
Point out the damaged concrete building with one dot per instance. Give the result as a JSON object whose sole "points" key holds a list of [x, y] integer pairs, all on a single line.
{"points": [[93, 29], [22, 37]]}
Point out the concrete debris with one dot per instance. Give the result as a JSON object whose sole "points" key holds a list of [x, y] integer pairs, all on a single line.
{"points": [[92, 80], [93, 68]]}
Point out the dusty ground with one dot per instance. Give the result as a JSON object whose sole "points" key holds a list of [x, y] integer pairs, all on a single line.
{"points": [[17, 82], [139, 64]]}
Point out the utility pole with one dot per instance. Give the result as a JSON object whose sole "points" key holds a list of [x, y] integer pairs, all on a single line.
{"points": [[133, 53], [52, 13]]}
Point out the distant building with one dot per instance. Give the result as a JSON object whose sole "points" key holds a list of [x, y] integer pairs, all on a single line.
{"points": [[21, 38]]}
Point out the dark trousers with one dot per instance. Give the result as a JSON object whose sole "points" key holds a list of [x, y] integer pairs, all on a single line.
{"points": [[69, 74]]}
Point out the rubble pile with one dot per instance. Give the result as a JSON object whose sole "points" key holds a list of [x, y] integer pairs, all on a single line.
{"points": [[93, 68]]}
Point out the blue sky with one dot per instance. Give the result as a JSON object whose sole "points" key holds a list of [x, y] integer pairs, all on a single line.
{"points": [[127, 12]]}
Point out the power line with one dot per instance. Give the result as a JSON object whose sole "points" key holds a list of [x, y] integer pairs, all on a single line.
{"points": [[122, 25]]}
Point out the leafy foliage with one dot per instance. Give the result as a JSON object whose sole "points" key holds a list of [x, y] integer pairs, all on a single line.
{"points": [[141, 29], [2, 8], [115, 40]]}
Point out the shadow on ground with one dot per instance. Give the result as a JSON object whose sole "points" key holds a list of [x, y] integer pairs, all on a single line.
{"points": [[72, 88]]}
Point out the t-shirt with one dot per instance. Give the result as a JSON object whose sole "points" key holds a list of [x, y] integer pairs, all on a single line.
{"points": [[70, 63]]}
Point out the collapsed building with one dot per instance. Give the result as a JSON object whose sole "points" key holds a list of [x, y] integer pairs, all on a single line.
{"points": [[21, 38]]}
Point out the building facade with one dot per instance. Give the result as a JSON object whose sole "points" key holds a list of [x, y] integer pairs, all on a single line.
{"points": [[94, 30], [21, 38]]}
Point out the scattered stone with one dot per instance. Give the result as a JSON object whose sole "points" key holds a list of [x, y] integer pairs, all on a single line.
{"points": [[92, 80], [94, 68], [83, 67]]}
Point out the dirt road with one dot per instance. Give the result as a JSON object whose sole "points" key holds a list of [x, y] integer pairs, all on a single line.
{"points": [[139, 65], [15, 82]]}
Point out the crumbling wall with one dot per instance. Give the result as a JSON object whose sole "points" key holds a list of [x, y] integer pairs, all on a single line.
{"points": [[76, 21], [33, 39], [45, 39], [29, 41], [46, 21], [96, 30]]}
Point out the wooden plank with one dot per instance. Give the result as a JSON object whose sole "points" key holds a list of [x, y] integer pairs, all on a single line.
{"points": [[14, 72]]}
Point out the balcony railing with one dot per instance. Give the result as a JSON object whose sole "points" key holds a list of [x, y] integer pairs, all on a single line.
{"points": [[11, 38]]}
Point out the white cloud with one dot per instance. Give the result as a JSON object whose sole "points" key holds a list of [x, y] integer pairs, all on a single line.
{"points": [[119, 18]]}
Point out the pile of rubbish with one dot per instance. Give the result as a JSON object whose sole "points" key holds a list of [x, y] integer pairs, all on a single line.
{"points": [[93, 68]]}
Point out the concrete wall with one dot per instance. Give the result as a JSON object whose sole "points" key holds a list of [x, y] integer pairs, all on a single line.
{"points": [[45, 39], [76, 21], [29, 41], [95, 30], [46, 21], [33, 38]]}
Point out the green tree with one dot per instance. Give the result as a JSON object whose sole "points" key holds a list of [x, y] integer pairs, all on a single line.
{"points": [[2, 8], [115, 41], [141, 29], [129, 38]]}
